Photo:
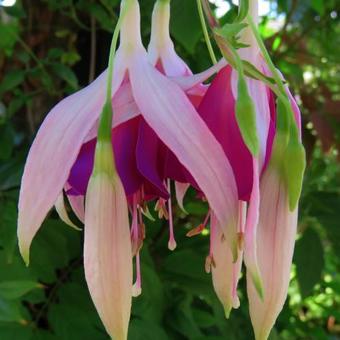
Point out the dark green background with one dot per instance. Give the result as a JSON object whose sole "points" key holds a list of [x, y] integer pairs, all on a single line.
{"points": [[45, 54]]}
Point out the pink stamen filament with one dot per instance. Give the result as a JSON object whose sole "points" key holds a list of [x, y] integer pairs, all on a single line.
{"points": [[172, 242], [137, 287]]}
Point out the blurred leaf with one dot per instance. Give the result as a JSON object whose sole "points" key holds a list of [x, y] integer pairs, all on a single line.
{"points": [[8, 227], [318, 5], [185, 23], [11, 80], [49, 250], [16, 289], [10, 311], [66, 73], [9, 331], [142, 330], [73, 316], [149, 305], [8, 32], [182, 319], [7, 136], [186, 269], [11, 172], [309, 260]]}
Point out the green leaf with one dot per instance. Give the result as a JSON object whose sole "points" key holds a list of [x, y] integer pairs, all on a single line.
{"points": [[11, 172], [11, 80], [186, 269], [319, 6], [10, 311], [8, 34], [309, 260], [7, 136], [8, 228], [142, 330], [49, 250], [74, 316], [150, 304], [16, 289], [16, 331], [185, 24], [66, 73]]}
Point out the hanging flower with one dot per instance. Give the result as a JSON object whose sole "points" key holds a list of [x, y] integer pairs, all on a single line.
{"points": [[151, 113], [269, 175]]}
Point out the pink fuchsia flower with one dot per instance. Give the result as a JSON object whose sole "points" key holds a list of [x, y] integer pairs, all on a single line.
{"points": [[219, 110], [277, 226], [171, 117], [143, 161]]}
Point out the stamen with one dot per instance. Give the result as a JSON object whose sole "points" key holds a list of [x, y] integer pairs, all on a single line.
{"points": [[209, 262], [196, 231], [137, 286], [172, 242], [240, 240], [134, 229], [200, 228], [141, 224], [160, 207], [146, 212]]}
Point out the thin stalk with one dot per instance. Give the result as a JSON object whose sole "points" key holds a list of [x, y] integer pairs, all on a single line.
{"points": [[205, 32], [266, 55], [105, 120], [282, 92]]}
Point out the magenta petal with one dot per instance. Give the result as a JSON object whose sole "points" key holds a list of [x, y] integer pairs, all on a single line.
{"points": [[218, 111], [148, 151], [82, 169], [177, 172], [124, 139]]}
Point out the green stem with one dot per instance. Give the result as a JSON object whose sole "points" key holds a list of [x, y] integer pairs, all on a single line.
{"points": [[266, 56], [282, 94], [205, 32], [105, 120]]}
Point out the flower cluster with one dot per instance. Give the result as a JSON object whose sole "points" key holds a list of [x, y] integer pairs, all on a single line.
{"points": [[111, 149]]}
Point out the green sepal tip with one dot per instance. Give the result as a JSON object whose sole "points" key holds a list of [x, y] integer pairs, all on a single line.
{"points": [[246, 117]]}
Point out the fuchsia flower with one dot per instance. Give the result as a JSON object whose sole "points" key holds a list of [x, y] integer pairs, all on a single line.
{"points": [[267, 181], [157, 135], [168, 126]]}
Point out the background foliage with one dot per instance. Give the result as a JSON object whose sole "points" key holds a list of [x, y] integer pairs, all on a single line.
{"points": [[50, 48]]}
